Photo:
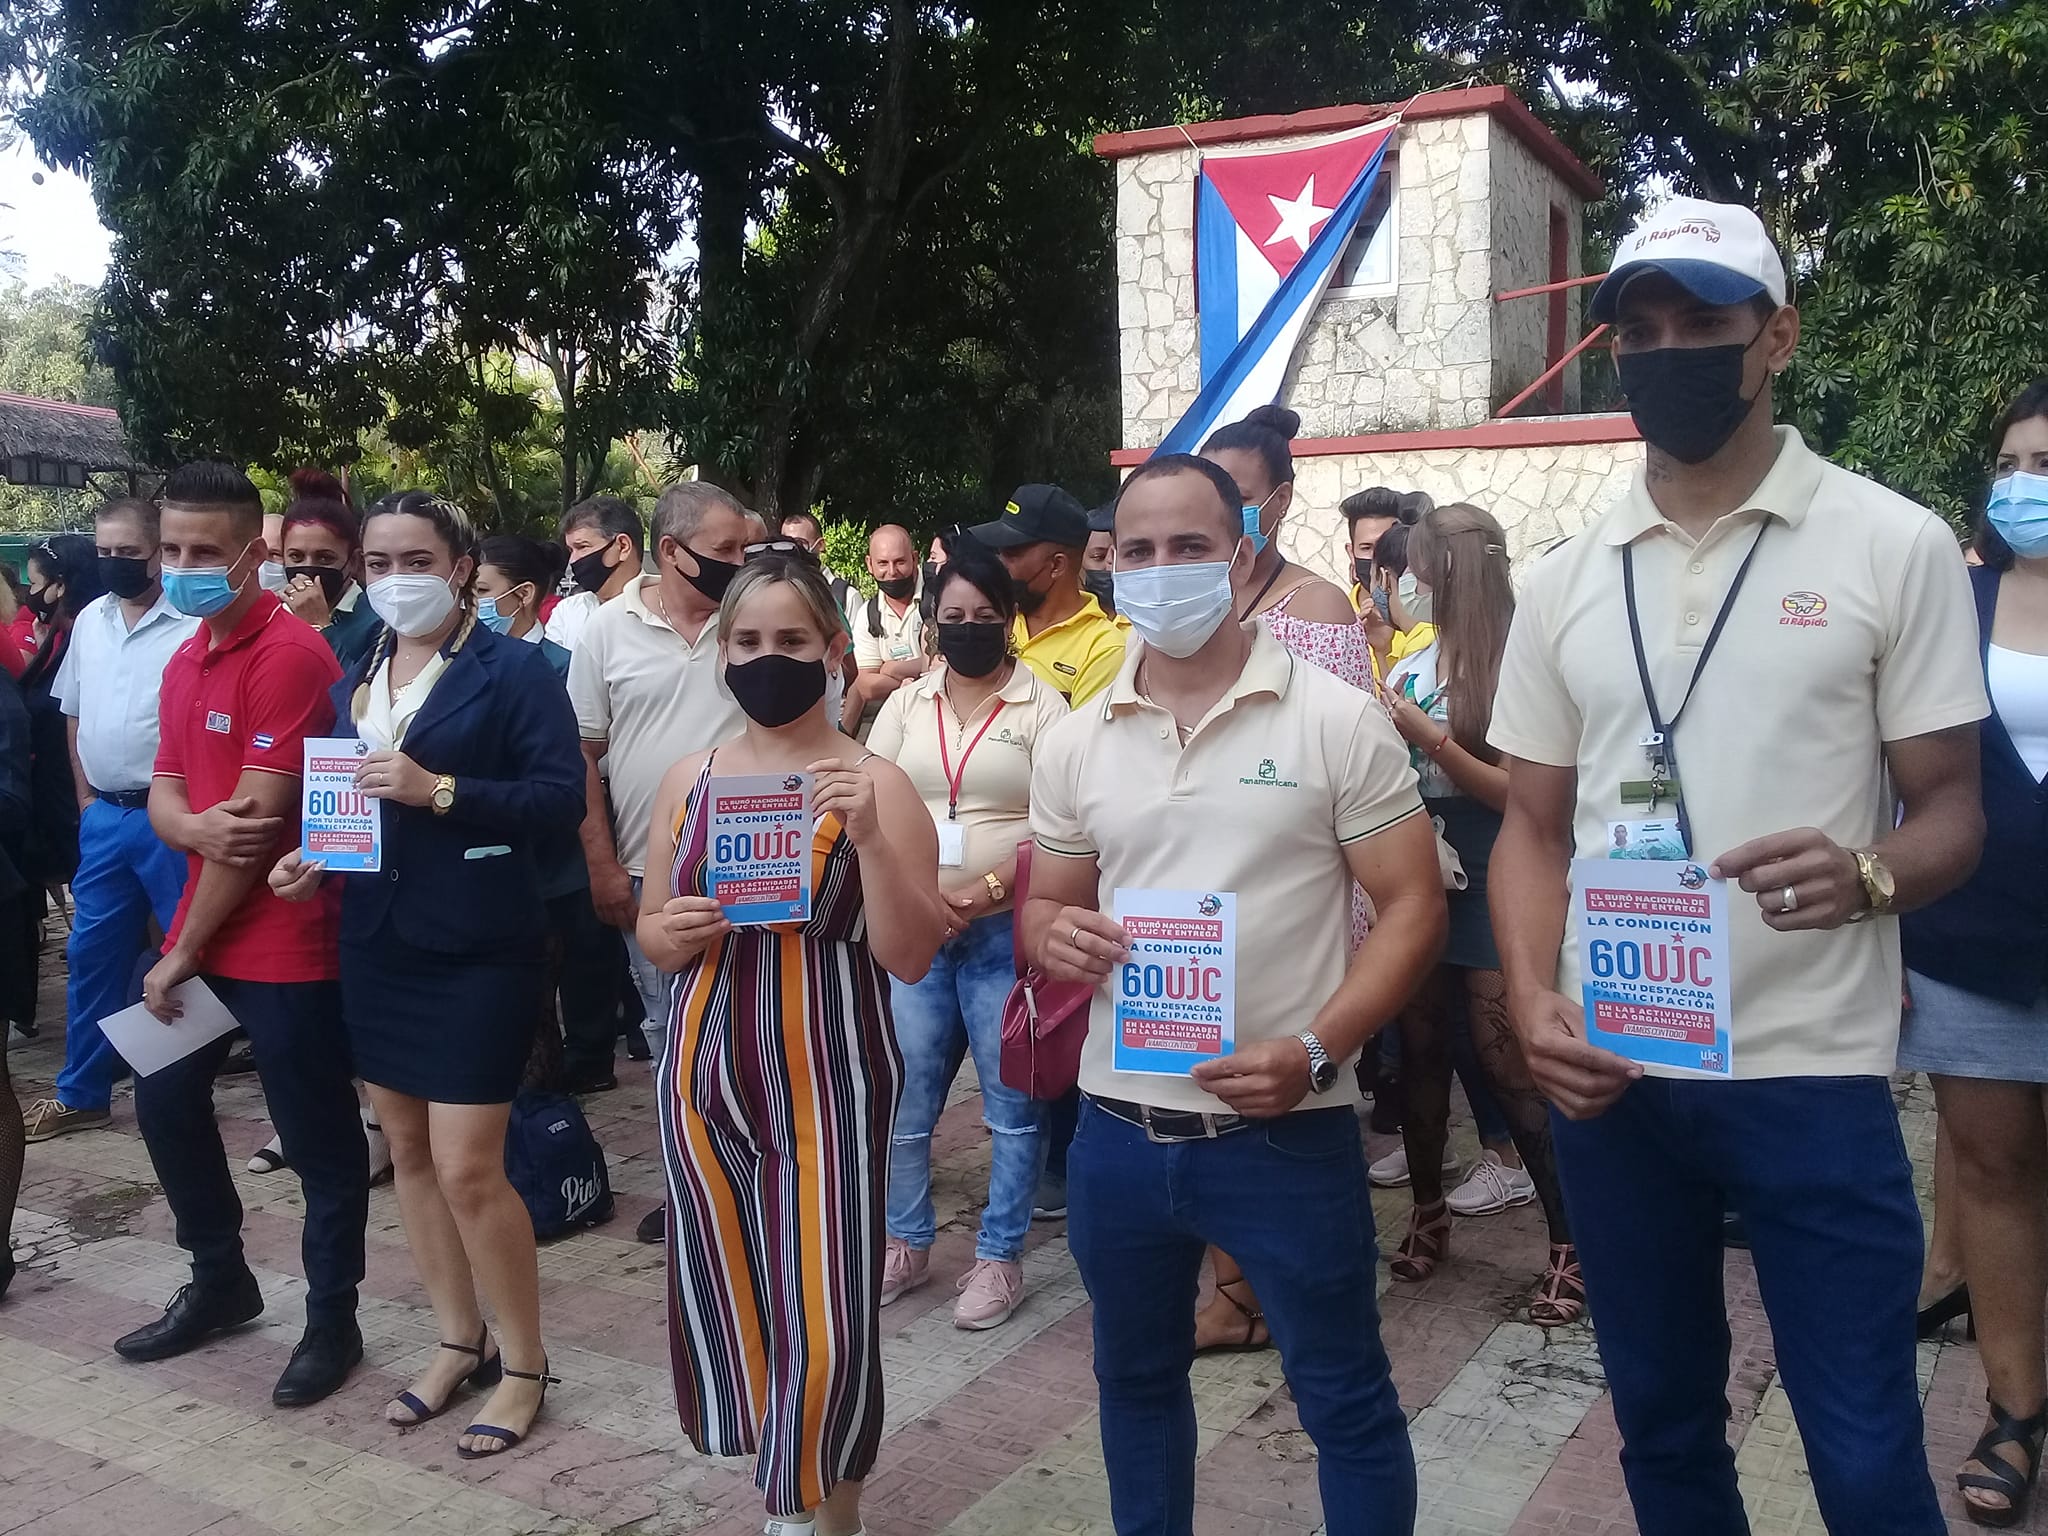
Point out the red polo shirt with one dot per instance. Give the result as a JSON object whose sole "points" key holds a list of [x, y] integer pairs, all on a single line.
{"points": [[251, 702]]}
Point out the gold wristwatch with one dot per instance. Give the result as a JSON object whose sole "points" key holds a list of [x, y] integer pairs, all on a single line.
{"points": [[996, 891], [444, 794], [1879, 889]]}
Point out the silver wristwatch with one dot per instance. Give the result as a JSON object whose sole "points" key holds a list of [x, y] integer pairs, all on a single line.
{"points": [[1322, 1072]]}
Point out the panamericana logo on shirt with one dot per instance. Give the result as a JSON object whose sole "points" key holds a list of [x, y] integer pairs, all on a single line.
{"points": [[1268, 777], [1804, 610], [218, 722], [1010, 738]]}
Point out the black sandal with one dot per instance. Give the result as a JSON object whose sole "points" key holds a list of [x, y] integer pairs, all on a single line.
{"points": [[1257, 1335], [486, 1374], [509, 1438], [2001, 1476]]}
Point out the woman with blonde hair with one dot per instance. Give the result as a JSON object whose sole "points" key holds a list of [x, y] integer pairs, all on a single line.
{"points": [[778, 1080], [1441, 698]]}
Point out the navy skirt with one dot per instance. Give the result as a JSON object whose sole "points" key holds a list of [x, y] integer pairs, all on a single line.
{"points": [[451, 1029], [1470, 828]]}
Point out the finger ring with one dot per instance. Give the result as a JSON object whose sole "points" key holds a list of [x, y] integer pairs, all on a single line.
{"points": [[1790, 900], [1076, 939]]}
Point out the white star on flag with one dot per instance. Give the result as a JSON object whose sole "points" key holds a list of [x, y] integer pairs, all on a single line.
{"points": [[1300, 218]]}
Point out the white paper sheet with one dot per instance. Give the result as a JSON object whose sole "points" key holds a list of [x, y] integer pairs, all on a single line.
{"points": [[149, 1045]]}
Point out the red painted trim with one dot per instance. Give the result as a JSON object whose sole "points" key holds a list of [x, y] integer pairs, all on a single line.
{"points": [[1521, 432], [64, 407], [1464, 102]]}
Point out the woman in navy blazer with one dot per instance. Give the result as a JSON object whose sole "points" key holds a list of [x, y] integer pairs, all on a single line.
{"points": [[1978, 973], [474, 754]]}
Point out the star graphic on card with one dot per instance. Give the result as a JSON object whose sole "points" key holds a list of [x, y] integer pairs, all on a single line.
{"points": [[1300, 217]]}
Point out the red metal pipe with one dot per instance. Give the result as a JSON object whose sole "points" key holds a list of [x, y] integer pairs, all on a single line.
{"points": [[1570, 282], [1552, 371]]}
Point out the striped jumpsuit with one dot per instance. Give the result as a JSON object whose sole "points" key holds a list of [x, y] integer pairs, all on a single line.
{"points": [[777, 1093]]}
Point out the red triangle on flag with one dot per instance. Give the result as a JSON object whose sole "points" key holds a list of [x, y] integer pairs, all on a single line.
{"points": [[1282, 200]]}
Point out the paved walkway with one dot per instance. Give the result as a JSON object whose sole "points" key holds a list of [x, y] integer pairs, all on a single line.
{"points": [[988, 1434]]}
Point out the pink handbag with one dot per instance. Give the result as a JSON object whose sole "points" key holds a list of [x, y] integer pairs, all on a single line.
{"points": [[1044, 1021]]}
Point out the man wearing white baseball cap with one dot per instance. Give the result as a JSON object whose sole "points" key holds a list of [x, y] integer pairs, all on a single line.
{"points": [[1759, 655]]}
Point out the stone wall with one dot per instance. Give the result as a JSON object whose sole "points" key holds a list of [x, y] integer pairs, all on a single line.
{"points": [[1539, 494], [1473, 204], [1524, 191]]}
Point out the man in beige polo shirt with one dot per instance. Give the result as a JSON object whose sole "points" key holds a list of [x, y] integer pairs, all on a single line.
{"points": [[648, 692], [1217, 766], [1808, 657]]}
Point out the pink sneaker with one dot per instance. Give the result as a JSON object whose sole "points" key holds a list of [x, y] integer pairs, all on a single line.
{"points": [[989, 1293], [904, 1268]]}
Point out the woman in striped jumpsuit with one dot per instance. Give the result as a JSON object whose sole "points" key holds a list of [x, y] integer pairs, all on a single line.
{"points": [[778, 1085]]}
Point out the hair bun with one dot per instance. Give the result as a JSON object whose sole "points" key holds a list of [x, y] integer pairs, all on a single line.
{"points": [[310, 484], [1276, 418]]}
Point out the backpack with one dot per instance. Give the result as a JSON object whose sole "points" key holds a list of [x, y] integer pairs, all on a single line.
{"points": [[556, 1164]]}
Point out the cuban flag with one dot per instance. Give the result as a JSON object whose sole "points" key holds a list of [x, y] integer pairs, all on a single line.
{"points": [[1269, 231]]}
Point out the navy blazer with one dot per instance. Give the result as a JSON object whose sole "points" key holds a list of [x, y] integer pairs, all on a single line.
{"points": [[468, 882], [1990, 935]]}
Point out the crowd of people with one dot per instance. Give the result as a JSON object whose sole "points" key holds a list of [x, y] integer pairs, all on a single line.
{"points": [[1050, 709]]}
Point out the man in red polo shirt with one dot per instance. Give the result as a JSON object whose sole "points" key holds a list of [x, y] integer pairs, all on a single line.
{"points": [[239, 699]]}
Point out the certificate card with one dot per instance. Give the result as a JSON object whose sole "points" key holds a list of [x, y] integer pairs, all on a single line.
{"points": [[339, 825], [760, 843], [1176, 997], [1653, 957], [149, 1045]]}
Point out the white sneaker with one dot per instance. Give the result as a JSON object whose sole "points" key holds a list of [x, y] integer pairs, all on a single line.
{"points": [[1391, 1171], [1491, 1188]]}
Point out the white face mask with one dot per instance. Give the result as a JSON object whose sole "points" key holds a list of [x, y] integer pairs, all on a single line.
{"points": [[412, 603], [271, 574], [1175, 608]]}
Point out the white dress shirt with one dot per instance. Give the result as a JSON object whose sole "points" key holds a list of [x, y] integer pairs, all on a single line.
{"points": [[109, 681]]}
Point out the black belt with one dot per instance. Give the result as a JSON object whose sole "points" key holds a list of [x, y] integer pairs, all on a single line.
{"points": [[1169, 1125], [126, 799]]}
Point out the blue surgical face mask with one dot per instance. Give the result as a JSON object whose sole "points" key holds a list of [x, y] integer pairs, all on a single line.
{"points": [[1252, 514], [487, 615], [1175, 608], [2018, 513], [198, 591]]}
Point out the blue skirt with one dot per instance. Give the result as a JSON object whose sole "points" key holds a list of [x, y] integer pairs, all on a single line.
{"points": [[449, 1029], [1955, 1033]]}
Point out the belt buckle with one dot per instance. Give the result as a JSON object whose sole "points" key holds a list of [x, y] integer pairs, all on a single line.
{"points": [[1153, 1135]]}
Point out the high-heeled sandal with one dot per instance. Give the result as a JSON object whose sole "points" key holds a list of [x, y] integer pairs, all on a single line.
{"points": [[507, 1436], [2001, 1476], [486, 1374], [1427, 1244], [1562, 1301], [1257, 1335]]}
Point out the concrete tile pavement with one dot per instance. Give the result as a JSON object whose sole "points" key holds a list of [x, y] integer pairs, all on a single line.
{"points": [[988, 1434]]}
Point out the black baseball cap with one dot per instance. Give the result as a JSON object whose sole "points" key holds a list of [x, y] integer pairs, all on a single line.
{"points": [[1037, 514], [1103, 518]]}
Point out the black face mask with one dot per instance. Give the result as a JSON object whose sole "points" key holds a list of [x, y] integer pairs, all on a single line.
{"points": [[931, 571], [775, 690], [40, 604], [897, 588], [1361, 572], [1103, 585], [332, 579], [1030, 599], [712, 578], [1686, 401], [125, 576], [589, 572], [974, 650]]}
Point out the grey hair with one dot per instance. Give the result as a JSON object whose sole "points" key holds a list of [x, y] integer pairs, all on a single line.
{"points": [[680, 512]]}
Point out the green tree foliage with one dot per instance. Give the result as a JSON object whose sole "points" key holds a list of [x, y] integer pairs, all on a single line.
{"points": [[43, 352]]}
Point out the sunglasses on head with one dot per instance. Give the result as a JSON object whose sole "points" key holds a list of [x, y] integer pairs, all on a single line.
{"points": [[787, 548]]}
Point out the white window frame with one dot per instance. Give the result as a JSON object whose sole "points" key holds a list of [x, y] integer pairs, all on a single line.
{"points": [[1390, 168]]}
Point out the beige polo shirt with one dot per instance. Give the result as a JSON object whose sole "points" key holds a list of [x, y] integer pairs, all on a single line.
{"points": [[1854, 627], [654, 696], [994, 808], [1288, 767], [902, 634]]}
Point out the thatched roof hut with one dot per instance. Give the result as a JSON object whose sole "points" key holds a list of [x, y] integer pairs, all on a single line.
{"points": [[56, 443]]}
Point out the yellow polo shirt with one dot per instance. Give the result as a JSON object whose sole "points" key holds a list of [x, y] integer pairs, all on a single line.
{"points": [[1854, 627], [1079, 655], [1289, 767]]}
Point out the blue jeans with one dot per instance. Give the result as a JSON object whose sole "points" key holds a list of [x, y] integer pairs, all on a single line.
{"points": [[1817, 1170], [957, 1008], [1287, 1200], [649, 982], [125, 876]]}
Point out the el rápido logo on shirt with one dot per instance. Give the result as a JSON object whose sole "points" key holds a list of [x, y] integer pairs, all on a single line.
{"points": [[1804, 610], [1268, 777]]}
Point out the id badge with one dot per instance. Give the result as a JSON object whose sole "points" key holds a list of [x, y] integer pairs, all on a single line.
{"points": [[1655, 839], [953, 845]]}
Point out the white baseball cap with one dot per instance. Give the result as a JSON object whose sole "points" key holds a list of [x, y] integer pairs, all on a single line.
{"points": [[1717, 252]]}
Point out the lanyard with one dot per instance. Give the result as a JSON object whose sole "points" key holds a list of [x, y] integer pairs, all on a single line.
{"points": [[945, 760], [1661, 744]]}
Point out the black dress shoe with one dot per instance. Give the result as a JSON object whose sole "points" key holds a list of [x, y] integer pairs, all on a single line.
{"points": [[1733, 1233], [193, 1317], [319, 1365], [653, 1226]]}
